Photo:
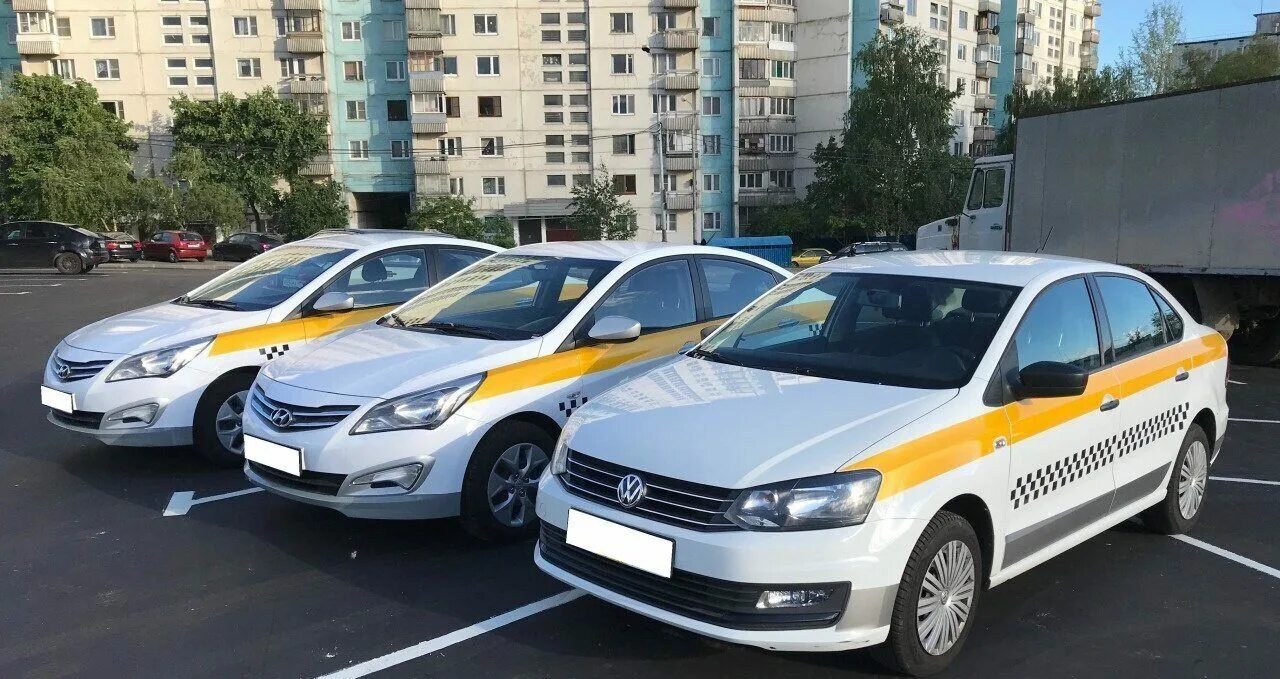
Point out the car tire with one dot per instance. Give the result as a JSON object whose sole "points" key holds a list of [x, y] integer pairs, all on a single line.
{"points": [[213, 428], [500, 486], [948, 539], [69, 264], [1183, 501], [200, 259], [173, 257]]}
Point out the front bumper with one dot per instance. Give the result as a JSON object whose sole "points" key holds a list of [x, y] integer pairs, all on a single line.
{"points": [[870, 557], [406, 506]]}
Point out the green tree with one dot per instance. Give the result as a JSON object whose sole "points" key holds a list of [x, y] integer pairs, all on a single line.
{"points": [[890, 171], [1087, 88], [1151, 55], [456, 216], [1260, 58], [249, 143], [153, 207], [62, 156], [598, 213], [200, 197], [309, 207]]}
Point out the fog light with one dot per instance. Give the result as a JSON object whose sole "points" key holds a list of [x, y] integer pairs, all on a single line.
{"points": [[403, 477], [142, 414], [793, 598]]}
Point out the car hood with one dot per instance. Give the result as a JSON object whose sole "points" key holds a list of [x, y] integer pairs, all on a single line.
{"points": [[735, 427], [375, 361], [159, 326]]}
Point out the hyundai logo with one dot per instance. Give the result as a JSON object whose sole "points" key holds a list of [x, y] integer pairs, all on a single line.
{"points": [[62, 370], [282, 417], [631, 490]]}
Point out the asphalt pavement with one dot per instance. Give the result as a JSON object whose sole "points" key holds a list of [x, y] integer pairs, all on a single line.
{"points": [[108, 568]]}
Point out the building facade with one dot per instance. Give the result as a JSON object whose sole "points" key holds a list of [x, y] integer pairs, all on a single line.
{"points": [[1267, 27], [704, 112]]}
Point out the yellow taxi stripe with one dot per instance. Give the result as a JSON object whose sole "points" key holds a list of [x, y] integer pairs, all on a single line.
{"points": [[292, 330], [913, 462]]}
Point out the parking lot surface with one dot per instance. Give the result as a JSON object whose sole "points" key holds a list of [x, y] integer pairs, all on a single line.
{"points": [[149, 563]]}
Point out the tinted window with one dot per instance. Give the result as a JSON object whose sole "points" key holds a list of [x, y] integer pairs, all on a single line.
{"points": [[1135, 321], [994, 193], [38, 230], [1060, 327], [388, 279], [1172, 321], [733, 284], [453, 260], [658, 296], [12, 231]]}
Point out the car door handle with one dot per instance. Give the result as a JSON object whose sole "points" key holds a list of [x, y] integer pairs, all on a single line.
{"points": [[1181, 376], [997, 227], [1109, 405]]}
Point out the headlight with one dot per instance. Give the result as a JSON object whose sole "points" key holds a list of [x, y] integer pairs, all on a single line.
{"points": [[560, 455], [829, 501], [159, 363], [426, 409]]}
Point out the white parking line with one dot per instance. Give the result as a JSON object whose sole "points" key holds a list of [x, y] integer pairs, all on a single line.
{"points": [[30, 285], [1243, 384], [432, 645], [1236, 480], [182, 501], [1242, 560], [24, 292], [1250, 419]]}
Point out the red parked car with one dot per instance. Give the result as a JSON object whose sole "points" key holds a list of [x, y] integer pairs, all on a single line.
{"points": [[175, 245]]}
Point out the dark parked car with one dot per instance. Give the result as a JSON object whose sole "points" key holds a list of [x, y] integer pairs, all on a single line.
{"points": [[867, 248], [121, 246], [65, 247], [239, 247], [175, 245]]}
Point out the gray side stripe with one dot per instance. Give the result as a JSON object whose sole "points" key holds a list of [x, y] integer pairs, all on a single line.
{"points": [[1034, 538]]}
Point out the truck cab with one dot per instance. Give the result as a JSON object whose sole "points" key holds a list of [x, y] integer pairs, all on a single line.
{"points": [[984, 221]]}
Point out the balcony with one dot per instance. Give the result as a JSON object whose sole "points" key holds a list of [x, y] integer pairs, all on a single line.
{"points": [[680, 122], [767, 125], [431, 184], [432, 44], [1091, 9], [38, 44], [1089, 61], [984, 133], [677, 39], [1028, 17], [426, 81], [33, 5], [320, 166], [304, 5], [984, 102], [762, 197], [305, 42], [429, 123], [753, 164], [986, 37], [431, 165], [1024, 78], [680, 4], [422, 4], [1025, 46], [1091, 35], [680, 80], [423, 22], [988, 6], [987, 69], [892, 16], [679, 200], [305, 84], [684, 163]]}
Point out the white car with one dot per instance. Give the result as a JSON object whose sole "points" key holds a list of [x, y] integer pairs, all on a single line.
{"points": [[932, 425], [450, 405], [178, 372]]}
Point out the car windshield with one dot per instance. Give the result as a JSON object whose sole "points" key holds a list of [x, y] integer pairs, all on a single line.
{"points": [[505, 297], [266, 280], [906, 331], [187, 235]]}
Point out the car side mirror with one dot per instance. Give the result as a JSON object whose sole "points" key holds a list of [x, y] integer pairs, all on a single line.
{"points": [[706, 332], [1050, 379], [614, 329], [334, 301]]}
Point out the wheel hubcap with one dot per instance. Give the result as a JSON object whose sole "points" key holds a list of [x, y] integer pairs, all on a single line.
{"points": [[1192, 479], [513, 484], [946, 597], [229, 422]]}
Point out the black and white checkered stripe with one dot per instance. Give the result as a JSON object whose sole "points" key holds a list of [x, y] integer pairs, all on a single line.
{"points": [[567, 407], [1035, 485], [273, 351]]}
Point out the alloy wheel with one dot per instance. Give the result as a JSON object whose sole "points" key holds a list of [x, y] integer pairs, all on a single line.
{"points": [[228, 424], [1192, 479], [513, 484], [946, 597]]}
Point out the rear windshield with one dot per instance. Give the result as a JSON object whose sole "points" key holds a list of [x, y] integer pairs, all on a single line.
{"points": [[187, 235], [84, 232], [908, 331]]}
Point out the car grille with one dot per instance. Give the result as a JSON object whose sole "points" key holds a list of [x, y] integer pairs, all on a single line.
{"points": [[312, 482], [711, 600], [79, 370], [679, 503], [79, 418], [303, 417]]}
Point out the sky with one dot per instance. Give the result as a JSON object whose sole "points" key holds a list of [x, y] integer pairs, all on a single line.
{"points": [[1201, 20]]}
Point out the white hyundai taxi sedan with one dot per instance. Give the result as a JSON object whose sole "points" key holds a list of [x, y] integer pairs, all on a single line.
{"points": [[450, 404], [934, 424], [178, 372]]}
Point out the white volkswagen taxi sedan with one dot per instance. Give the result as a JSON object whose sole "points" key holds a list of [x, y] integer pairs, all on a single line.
{"points": [[863, 450], [451, 403], [178, 372]]}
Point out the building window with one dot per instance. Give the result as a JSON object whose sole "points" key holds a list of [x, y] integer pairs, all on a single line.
{"points": [[204, 81], [425, 102], [179, 81], [624, 104], [393, 30], [579, 100], [100, 27], [62, 26], [171, 21], [397, 110], [353, 70], [359, 149], [555, 157], [578, 77], [581, 179], [555, 180], [621, 22], [577, 36], [448, 24], [661, 219], [554, 140], [710, 182], [488, 65], [198, 20], [115, 108], [395, 70], [782, 106], [783, 179], [249, 68], [711, 144], [710, 27], [576, 17], [550, 18], [711, 105], [244, 26], [486, 24], [552, 77], [782, 32], [551, 36], [453, 107], [491, 146], [624, 184], [552, 60], [751, 180], [622, 64], [451, 146], [711, 67], [664, 103], [782, 143], [199, 38], [175, 63], [356, 110], [293, 67], [449, 65], [753, 69], [961, 51], [173, 38], [351, 30], [106, 69], [578, 59], [664, 21], [784, 69], [64, 68], [553, 100], [963, 20], [960, 86], [624, 144], [553, 117], [710, 221], [489, 107], [493, 186], [456, 186], [401, 149], [580, 140]]}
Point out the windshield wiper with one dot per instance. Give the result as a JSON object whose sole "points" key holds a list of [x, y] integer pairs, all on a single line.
{"points": [[211, 303], [457, 329], [717, 358], [393, 319]]}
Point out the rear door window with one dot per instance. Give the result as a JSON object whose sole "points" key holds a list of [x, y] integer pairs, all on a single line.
{"points": [[1173, 324], [1136, 322], [392, 278], [732, 285], [453, 260]]}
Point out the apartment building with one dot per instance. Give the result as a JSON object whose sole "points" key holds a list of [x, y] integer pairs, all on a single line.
{"points": [[1266, 27]]}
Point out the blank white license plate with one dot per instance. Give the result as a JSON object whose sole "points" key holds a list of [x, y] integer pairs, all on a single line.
{"points": [[274, 455], [125, 246], [634, 548], [58, 400]]}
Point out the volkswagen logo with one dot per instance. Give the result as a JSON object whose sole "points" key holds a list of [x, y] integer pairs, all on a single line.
{"points": [[631, 490], [281, 417], [62, 370]]}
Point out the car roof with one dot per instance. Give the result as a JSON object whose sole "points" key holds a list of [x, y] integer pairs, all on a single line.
{"points": [[1003, 268], [356, 239], [621, 251]]}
